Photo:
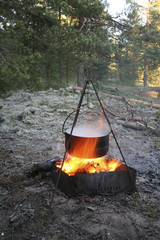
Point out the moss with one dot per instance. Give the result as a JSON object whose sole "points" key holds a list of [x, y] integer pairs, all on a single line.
{"points": [[5, 95]]}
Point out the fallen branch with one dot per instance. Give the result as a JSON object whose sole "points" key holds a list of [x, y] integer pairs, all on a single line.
{"points": [[80, 89], [139, 126], [121, 98], [140, 119], [154, 105], [130, 108], [109, 111], [133, 125]]}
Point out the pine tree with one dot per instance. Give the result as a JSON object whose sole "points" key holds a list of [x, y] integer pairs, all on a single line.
{"points": [[141, 44], [91, 48]]}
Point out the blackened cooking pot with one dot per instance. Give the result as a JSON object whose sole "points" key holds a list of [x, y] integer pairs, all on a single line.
{"points": [[87, 142]]}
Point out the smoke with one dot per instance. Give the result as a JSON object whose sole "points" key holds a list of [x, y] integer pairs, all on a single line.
{"points": [[88, 131]]}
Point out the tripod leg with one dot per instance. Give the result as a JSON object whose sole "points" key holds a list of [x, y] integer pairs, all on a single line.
{"points": [[114, 136], [73, 125]]}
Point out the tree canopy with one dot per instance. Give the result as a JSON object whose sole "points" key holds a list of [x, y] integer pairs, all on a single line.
{"points": [[46, 43]]}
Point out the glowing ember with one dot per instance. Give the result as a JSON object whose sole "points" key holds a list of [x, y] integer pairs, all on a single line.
{"points": [[73, 165]]}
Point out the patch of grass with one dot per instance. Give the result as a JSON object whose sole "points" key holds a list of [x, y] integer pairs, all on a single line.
{"points": [[38, 226], [135, 196], [5, 95], [149, 214], [156, 144], [43, 213], [158, 114]]}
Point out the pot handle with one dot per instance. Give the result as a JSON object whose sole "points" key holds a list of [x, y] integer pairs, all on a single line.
{"points": [[66, 120]]}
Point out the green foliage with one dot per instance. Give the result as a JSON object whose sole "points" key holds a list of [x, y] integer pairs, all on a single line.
{"points": [[46, 43]]}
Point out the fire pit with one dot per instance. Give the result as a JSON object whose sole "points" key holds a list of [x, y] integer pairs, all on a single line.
{"points": [[114, 177]]}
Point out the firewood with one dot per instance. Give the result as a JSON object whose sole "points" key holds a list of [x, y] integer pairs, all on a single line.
{"points": [[80, 89], [44, 174], [138, 101], [135, 118], [46, 166], [121, 98], [109, 111], [132, 125], [30, 173]]}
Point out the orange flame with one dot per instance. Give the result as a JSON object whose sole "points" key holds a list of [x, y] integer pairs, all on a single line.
{"points": [[74, 165], [79, 157]]}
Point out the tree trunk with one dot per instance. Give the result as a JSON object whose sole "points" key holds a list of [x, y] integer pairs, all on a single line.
{"points": [[67, 70], [148, 12], [60, 62], [80, 74], [60, 71], [145, 73], [80, 68]]}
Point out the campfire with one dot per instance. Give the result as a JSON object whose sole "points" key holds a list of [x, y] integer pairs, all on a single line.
{"points": [[86, 167], [87, 151], [74, 165], [87, 144], [96, 173]]}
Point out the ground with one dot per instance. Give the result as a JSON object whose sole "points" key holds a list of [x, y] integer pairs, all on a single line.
{"points": [[32, 208]]}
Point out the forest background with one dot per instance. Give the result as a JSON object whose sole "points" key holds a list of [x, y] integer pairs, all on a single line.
{"points": [[55, 43]]}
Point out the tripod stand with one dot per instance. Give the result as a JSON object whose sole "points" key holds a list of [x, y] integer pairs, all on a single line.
{"points": [[108, 121]]}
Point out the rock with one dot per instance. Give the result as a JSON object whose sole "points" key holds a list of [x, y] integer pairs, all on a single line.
{"points": [[69, 89], [90, 105]]}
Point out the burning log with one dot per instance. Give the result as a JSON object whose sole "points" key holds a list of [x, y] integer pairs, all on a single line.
{"points": [[46, 166], [42, 169]]}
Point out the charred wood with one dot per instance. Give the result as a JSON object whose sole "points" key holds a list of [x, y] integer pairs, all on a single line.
{"points": [[43, 169], [44, 174], [46, 166], [30, 173]]}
